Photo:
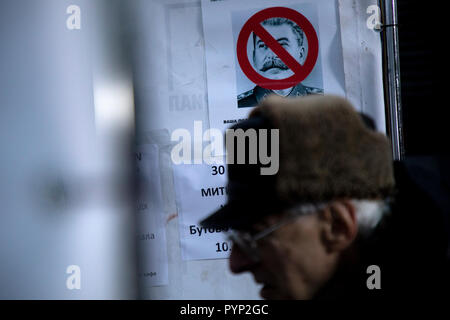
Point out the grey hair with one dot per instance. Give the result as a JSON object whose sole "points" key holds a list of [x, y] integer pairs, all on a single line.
{"points": [[369, 213]]}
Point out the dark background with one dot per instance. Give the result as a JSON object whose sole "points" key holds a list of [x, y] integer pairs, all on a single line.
{"points": [[423, 102], [423, 37]]}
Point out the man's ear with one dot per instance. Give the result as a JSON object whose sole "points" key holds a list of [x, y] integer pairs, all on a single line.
{"points": [[302, 55], [339, 225]]}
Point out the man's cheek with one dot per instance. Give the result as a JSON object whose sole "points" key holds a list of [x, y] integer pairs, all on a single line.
{"points": [[275, 265]]}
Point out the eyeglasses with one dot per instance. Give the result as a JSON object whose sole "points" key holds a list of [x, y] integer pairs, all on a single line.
{"points": [[248, 243]]}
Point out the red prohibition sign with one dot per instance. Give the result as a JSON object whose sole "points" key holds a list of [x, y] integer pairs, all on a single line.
{"points": [[254, 25]]}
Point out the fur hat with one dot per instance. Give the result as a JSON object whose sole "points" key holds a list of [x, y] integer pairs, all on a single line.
{"points": [[326, 151]]}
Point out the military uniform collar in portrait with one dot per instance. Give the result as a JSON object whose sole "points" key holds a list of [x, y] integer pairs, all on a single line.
{"points": [[254, 96]]}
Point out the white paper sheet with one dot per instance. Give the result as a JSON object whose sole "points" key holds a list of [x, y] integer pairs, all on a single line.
{"points": [[200, 191], [222, 23], [151, 237]]}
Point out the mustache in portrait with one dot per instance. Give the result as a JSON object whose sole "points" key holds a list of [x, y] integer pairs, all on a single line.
{"points": [[270, 63]]}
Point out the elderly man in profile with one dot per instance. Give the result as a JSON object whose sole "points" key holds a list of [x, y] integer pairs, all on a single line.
{"points": [[291, 37], [331, 223]]}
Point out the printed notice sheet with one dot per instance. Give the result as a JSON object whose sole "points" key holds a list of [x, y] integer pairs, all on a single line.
{"points": [[153, 267], [200, 190], [259, 47]]}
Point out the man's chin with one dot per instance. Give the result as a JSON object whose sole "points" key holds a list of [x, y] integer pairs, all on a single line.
{"points": [[269, 292]]}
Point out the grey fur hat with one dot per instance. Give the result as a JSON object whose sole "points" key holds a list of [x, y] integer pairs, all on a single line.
{"points": [[326, 151]]}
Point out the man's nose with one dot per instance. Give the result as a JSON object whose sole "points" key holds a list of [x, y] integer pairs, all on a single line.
{"points": [[239, 261], [270, 54]]}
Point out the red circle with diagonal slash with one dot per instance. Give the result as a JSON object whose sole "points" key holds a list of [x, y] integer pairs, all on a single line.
{"points": [[254, 25]]}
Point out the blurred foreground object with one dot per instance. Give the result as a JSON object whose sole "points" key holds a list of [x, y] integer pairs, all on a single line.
{"points": [[66, 119]]}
